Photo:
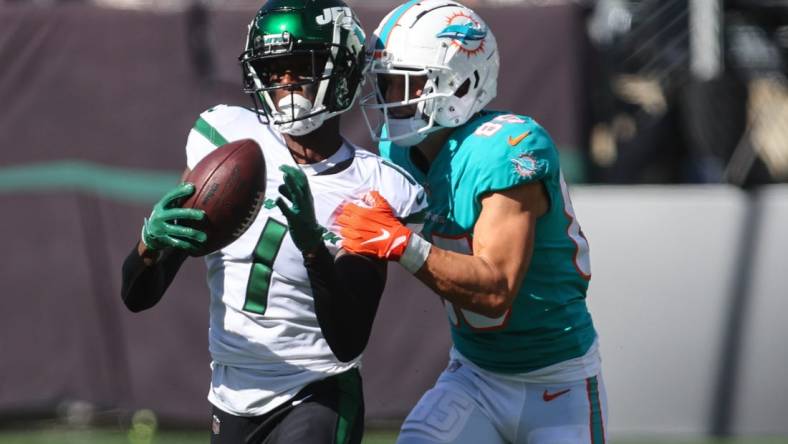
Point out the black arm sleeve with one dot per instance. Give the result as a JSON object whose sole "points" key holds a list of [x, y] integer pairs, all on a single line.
{"points": [[346, 292], [143, 285]]}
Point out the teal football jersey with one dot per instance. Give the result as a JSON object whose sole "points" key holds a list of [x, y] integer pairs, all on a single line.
{"points": [[548, 322]]}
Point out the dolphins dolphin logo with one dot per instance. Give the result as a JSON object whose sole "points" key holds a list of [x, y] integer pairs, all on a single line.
{"points": [[467, 34], [463, 33]]}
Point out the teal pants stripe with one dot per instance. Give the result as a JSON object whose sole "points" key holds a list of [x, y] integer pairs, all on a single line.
{"points": [[595, 424]]}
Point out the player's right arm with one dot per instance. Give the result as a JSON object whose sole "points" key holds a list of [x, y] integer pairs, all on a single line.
{"points": [[163, 247], [488, 280], [507, 182]]}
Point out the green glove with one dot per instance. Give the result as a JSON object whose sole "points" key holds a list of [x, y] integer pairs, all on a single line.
{"points": [[160, 230], [307, 234]]}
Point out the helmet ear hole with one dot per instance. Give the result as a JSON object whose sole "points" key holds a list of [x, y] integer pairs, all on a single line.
{"points": [[476, 76], [463, 89]]}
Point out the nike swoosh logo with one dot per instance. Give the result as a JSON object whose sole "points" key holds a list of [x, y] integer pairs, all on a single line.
{"points": [[513, 141], [397, 242], [547, 397], [384, 234]]}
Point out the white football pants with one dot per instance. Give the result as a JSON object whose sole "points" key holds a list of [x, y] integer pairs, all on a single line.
{"points": [[474, 406]]}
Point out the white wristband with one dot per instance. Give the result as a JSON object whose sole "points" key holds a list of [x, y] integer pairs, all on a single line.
{"points": [[415, 253]]}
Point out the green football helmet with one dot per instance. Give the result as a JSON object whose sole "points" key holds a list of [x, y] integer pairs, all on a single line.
{"points": [[319, 40]]}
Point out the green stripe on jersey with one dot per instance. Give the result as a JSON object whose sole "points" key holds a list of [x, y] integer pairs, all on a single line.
{"points": [[210, 133]]}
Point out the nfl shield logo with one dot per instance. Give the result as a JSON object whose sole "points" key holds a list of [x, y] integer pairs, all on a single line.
{"points": [[215, 425]]}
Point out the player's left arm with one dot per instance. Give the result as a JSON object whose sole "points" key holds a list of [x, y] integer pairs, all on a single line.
{"points": [[346, 289], [485, 282]]}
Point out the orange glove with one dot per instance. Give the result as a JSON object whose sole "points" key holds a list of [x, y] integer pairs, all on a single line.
{"points": [[373, 231]]}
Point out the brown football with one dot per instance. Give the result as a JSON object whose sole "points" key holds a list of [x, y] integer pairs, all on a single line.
{"points": [[229, 185]]}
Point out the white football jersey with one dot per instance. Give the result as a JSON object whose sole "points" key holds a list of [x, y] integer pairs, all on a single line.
{"points": [[265, 341]]}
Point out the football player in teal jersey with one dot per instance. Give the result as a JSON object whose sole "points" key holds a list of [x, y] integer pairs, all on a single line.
{"points": [[501, 244]]}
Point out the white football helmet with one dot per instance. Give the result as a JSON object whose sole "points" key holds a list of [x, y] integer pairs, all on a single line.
{"points": [[444, 41]]}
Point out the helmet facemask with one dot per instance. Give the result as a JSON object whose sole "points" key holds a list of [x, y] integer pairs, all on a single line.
{"points": [[326, 76], [379, 113]]}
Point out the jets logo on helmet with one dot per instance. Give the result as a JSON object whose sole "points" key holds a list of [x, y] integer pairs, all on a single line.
{"points": [[442, 45], [317, 42], [465, 33], [331, 14]]}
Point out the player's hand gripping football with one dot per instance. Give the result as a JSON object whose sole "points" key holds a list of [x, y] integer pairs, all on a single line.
{"points": [[160, 229], [373, 231], [306, 233]]}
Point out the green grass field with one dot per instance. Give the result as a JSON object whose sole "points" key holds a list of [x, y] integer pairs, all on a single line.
{"points": [[67, 436]]}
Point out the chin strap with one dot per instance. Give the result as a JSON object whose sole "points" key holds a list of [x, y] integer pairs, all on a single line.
{"points": [[295, 107]]}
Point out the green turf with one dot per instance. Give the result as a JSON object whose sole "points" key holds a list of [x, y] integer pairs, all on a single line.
{"points": [[66, 436]]}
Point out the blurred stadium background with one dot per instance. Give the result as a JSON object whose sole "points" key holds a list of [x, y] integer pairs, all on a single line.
{"points": [[672, 121]]}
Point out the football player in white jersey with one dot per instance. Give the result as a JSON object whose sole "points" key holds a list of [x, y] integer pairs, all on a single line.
{"points": [[501, 244], [290, 312]]}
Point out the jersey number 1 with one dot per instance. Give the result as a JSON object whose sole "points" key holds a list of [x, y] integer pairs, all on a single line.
{"points": [[263, 265]]}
